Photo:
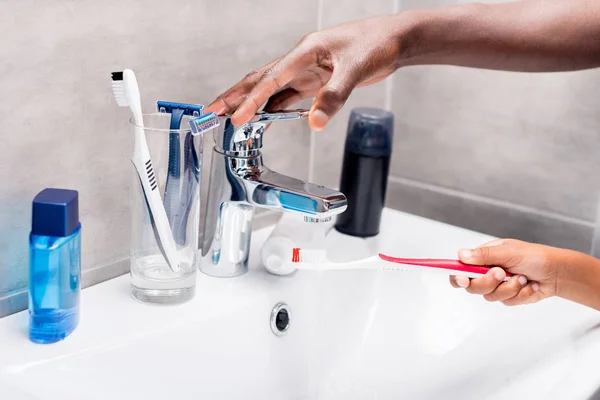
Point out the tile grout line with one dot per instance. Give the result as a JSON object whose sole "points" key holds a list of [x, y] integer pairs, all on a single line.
{"points": [[389, 82], [489, 201], [312, 150], [313, 385], [105, 265], [320, 5], [311, 156], [389, 91], [18, 297], [596, 236]]}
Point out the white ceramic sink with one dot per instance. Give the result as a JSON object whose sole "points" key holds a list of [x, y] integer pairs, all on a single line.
{"points": [[353, 335]]}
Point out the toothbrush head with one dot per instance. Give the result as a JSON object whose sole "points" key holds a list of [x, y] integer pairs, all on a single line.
{"points": [[119, 89], [204, 123], [126, 91], [308, 256], [194, 110]]}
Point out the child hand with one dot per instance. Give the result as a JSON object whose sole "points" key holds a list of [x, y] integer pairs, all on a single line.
{"points": [[535, 270]]}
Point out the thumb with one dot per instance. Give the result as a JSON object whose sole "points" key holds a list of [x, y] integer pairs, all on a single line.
{"points": [[498, 255], [331, 98]]}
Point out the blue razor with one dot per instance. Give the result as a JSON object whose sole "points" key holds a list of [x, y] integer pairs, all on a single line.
{"points": [[175, 193], [192, 170], [171, 107]]}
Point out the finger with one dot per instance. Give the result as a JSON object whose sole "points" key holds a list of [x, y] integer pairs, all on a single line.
{"points": [[221, 106], [488, 283], [528, 294], [453, 282], [495, 242], [332, 97], [283, 100], [463, 281], [507, 290], [273, 80], [499, 255], [459, 281], [229, 101]]}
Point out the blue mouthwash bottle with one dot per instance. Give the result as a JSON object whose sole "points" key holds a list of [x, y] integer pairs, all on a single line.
{"points": [[54, 265]]}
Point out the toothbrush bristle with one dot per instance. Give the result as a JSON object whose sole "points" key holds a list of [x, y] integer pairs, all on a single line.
{"points": [[119, 92], [308, 256]]}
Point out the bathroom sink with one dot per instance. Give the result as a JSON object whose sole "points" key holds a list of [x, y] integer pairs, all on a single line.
{"points": [[352, 335]]}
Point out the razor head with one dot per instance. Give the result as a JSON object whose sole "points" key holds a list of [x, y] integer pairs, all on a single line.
{"points": [[193, 110], [204, 123]]}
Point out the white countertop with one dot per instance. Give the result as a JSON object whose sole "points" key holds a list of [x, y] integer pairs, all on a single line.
{"points": [[360, 334]]}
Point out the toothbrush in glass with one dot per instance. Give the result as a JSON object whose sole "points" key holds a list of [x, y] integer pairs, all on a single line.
{"points": [[127, 94]]}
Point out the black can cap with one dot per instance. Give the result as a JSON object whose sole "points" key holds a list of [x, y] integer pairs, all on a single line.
{"points": [[370, 132]]}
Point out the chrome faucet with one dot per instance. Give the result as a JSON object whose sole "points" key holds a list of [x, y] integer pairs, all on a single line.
{"points": [[239, 182]]}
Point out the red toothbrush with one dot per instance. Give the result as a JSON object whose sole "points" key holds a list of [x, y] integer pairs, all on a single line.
{"points": [[454, 267], [314, 260]]}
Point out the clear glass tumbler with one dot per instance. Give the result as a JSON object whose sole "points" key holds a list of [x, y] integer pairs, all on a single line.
{"points": [[177, 159]]}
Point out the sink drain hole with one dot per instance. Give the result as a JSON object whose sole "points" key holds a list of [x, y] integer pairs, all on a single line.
{"points": [[280, 319]]}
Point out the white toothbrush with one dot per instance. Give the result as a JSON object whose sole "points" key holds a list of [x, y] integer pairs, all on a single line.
{"points": [[127, 94]]}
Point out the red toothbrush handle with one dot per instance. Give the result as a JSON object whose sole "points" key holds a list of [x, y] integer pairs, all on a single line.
{"points": [[454, 265]]}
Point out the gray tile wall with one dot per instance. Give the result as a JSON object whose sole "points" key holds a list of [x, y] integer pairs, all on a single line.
{"points": [[328, 143], [526, 142], [506, 154], [62, 128]]}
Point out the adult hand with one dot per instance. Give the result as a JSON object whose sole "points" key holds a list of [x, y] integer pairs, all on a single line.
{"points": [[327, 64]]}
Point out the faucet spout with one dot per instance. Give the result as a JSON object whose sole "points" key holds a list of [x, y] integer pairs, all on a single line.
{"points": [[269, 189], [239, 183]]}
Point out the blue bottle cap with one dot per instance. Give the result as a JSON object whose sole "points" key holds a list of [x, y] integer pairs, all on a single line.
{"points": [[370, 132], [55, 212]]}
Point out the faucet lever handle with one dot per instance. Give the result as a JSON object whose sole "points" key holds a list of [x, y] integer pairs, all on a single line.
{"points": [[246, 140], [282, 115]]}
